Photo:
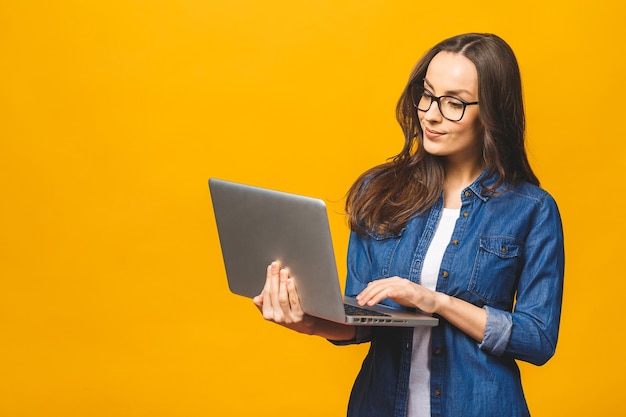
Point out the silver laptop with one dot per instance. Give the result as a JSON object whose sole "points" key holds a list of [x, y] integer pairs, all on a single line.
{"points": [[257, 226]]}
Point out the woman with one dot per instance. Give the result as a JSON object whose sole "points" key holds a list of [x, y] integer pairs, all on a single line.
{"points": [[457, 226]]}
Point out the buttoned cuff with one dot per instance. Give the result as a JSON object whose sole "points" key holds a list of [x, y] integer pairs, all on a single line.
{"points": [[497, 331], [363, 335]]}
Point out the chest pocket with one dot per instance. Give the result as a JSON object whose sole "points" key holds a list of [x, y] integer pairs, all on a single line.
{"points": [[495, 271]]}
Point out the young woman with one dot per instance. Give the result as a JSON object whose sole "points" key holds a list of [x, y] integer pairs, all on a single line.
{"points": [[457, 226]]}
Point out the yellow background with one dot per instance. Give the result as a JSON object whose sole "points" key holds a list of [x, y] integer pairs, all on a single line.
{"points": [[113, 115]]}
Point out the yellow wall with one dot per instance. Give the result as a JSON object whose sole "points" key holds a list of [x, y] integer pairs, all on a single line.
{"points": [[113, 115]]}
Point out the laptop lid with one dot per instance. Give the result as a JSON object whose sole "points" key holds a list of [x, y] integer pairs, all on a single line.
{"points": [[257, 226]]}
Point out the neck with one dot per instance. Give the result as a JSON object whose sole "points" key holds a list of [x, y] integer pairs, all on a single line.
{"points": [[457, 177]]}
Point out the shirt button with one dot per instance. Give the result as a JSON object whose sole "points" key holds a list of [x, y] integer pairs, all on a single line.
{"points": [[445, 274], [465, 214], [437, 351], [455, 242], [437, 393], [467, 193]]}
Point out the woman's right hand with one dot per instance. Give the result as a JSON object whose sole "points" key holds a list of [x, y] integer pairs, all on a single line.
{"points": [[279, 301]]}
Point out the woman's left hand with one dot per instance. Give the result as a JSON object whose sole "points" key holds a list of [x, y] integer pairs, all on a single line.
{"points": [[467, 317], [402, 291]]}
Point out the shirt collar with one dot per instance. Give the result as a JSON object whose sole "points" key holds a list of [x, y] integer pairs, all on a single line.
{"points": [[485, 180]]}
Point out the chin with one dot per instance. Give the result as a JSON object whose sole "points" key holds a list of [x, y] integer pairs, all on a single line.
{"points": [[434, 150]]}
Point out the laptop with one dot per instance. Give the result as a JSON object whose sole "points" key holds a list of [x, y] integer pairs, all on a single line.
{"points": [[257, 226]]}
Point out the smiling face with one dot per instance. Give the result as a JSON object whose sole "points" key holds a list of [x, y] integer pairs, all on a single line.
{"points": [[452, 74]]}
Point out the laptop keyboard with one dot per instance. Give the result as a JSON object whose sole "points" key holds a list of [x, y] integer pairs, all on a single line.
{"points": [[358, 311]]}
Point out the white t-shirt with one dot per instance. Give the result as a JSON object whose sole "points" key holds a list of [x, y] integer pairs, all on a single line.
{"points": [[419, 381]]}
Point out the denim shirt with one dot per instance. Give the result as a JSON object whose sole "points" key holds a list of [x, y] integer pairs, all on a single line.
{"points": [[506, 255]]}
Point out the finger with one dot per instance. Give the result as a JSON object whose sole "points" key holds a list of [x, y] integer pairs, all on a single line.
{"points": [[266, 285], [258, 300], [372, 289], [367, 295], [270, 293], [294, 299], [268, 272], [377, 291], [272, 281], [283, 295], [280, 300], [379, 295], [401, 290]]}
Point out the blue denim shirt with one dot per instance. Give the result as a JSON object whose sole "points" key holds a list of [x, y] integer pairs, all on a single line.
{"points": [[506, 255]]}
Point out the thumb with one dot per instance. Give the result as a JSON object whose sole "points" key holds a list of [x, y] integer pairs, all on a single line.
{"points": [[258, 300]]}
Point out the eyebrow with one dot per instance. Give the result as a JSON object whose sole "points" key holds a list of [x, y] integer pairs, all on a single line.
{"points": [[451, 92]]}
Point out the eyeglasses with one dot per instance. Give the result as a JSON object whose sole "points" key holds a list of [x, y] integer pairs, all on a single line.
{"points": [[451, 108]]}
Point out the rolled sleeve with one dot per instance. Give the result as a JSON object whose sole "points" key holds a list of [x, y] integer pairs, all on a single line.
{"points": [[497, 331]]}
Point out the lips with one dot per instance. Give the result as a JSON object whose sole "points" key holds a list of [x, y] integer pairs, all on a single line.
{"points": [[432, 134]]}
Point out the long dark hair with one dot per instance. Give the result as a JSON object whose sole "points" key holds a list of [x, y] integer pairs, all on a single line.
{"points": [[384, 198]]}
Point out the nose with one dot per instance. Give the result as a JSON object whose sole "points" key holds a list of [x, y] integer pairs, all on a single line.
{"points": [[433, 113]]}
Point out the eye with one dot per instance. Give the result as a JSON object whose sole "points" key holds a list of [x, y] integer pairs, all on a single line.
{"points": [[452, 103]]}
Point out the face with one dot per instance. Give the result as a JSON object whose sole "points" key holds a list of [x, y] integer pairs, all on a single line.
{"points": [[452, 74]]}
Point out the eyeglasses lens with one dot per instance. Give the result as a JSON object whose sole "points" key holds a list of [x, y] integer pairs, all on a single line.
{"points": [[450, 107]]}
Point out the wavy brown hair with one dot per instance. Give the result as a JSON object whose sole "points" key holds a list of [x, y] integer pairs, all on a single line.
{"points": [[383, 199]]}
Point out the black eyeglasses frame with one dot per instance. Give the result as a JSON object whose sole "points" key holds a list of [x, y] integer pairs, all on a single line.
{"points": [[421, 90]]}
